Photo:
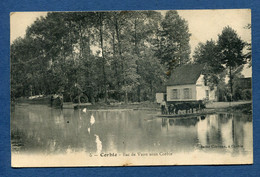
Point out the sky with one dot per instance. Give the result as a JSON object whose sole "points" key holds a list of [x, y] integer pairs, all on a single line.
{"points": [[19, 21], [208, 24], [203, 25]]}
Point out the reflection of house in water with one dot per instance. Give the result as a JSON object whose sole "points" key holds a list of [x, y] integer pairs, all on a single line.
{"points": [[211, 131], [186, 122], [183, 132], [225, 130]]}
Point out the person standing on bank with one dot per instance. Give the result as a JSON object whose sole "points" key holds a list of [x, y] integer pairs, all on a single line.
{"points": [[163, 107]]}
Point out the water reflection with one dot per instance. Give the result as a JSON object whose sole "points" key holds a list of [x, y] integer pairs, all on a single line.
{"points": [[37, 128], [221, 132]]}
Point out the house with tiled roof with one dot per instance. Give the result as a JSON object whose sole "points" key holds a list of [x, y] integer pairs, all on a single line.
{"points": [[187, 83]]}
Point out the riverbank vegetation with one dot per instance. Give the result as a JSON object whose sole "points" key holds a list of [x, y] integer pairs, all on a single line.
{"points": [[238, 106], [103, 55], [121, 56]]}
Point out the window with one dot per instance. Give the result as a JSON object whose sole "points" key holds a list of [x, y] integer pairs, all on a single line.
{"points": [[187, 93], [207, 94], [174, 94]]}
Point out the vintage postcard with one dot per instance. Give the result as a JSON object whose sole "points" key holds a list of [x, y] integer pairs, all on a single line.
{"points": [[131, 88]]}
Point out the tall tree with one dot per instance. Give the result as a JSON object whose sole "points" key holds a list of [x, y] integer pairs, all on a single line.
{"points": [[173, 41], [60, 51], [208, 55], [231, 52], [100, 23]]}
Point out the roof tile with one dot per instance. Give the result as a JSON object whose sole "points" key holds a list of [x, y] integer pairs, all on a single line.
{"points": [[186, 74]]}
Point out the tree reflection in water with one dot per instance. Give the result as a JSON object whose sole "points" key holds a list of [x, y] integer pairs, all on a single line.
{"points": [[41, 129]]}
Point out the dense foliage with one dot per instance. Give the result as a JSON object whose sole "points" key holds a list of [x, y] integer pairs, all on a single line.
{"points": [[224, 58], [99, 56], [119, 56]]}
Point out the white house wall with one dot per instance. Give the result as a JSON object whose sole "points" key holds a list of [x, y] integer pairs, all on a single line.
{"points": [[159, 97], [201, 88], [198, 91], [181, 93], [200, 81], [201, 92]]}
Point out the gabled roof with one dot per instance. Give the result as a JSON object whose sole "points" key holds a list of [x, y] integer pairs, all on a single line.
{"points": [[186, 74]]}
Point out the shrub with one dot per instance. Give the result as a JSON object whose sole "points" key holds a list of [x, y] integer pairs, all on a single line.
{"points": [[247, 94]]}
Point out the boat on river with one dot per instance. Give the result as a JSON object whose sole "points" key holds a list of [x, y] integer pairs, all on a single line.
{"points": [[201, 113]]}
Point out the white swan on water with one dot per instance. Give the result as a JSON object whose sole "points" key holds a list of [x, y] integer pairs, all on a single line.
{"points": [[84, 110], [92, 119], [99, 144]]}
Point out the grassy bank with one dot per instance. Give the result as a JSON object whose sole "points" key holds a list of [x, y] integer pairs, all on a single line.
{"points": [[42, 100], [242, 106], [134, 106]]}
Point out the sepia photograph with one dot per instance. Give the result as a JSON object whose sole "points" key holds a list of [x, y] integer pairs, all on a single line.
{"points": [[131, 88]]}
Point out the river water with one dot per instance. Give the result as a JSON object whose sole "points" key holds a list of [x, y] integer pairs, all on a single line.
{"points": [[39, 129]]}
